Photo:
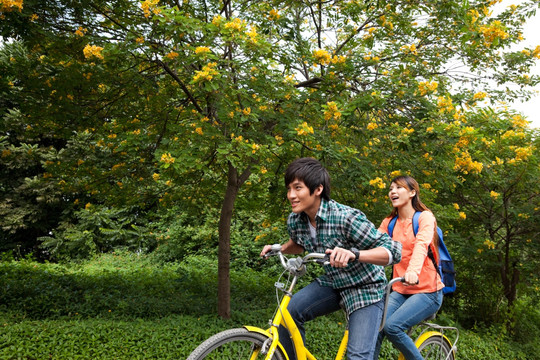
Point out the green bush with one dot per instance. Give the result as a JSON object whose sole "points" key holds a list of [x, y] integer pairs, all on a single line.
{"points": [[126, 306]]}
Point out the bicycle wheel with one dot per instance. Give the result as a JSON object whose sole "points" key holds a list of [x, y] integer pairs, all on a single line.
{"points": [[234, 344], [436, 347]]}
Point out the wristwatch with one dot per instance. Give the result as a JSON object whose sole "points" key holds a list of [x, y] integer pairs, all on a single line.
{"points": [[356, 253]]}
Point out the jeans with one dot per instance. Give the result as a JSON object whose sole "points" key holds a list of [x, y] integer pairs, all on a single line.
{"points": [[315, 300], [405, 311]]}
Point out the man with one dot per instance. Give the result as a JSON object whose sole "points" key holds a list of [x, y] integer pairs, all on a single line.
{"points": [[356, 250]]}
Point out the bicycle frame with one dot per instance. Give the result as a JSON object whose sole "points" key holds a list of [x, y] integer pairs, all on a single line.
{"points": [[283, 317]]}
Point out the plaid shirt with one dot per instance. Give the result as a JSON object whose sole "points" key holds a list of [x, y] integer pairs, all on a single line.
{"points": [[360, 284]]}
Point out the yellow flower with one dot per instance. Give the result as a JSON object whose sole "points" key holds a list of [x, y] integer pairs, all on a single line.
{"points": [[199, 131], [462, 215], [10, 5], [519, 122], [523, 153], [377, 182], [490, 244], [172, 55], [201, 50], [480, 95], [372, 126], [456, 206], [274, 15], [206, 74], [252, 33], [155, 176], [426, 87], [495, 30], [92, 51], [236, 24], [149, 7], [494, 194], [332, 111], [167, 158], [445, 104], [322, 56], [304, 129], [80, 31]]}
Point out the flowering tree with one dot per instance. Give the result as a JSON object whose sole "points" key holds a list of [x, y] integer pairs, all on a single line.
{"points": [[152, 103]]}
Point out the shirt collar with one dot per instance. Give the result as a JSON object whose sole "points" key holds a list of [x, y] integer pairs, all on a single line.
{"points": [[323, 210]]}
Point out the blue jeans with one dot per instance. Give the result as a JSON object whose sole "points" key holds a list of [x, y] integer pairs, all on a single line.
{"points": [[405, 311], [315, 300]]}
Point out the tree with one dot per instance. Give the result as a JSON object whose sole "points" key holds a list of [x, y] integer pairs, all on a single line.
{"points": [[191, 102]]}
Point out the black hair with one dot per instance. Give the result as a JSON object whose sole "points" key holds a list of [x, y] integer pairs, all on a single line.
{"points": [[311, 172]]}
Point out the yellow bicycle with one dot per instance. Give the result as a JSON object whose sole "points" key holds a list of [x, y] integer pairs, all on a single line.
{"points": [[250, 342]]}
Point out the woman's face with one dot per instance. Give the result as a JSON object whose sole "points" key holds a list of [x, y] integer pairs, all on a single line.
{"points": [[400, 195]]}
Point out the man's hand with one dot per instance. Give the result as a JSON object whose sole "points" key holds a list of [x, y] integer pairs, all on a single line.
{"points": [[265, 250], [340, 257]]}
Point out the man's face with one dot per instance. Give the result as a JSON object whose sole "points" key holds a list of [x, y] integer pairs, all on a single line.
{"points": [[300, 198]]}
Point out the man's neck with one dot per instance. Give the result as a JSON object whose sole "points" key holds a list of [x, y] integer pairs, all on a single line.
{"points": [[312, 213]]}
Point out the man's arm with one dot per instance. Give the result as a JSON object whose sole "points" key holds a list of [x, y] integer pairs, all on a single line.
{"points": [[340, 257]]}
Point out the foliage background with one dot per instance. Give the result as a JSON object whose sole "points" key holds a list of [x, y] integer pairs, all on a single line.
{"points": [[162, 128]]}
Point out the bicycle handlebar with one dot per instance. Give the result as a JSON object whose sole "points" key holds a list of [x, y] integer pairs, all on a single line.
{"points": [[296, 265]]}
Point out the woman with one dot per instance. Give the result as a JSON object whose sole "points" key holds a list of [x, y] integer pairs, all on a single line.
{"points": [[421, 294]]}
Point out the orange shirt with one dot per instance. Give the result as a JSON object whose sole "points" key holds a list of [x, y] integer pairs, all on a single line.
{"points": [[414, 253]]}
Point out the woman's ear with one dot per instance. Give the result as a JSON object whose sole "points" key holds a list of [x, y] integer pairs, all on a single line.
{"points": [[412, 193]]}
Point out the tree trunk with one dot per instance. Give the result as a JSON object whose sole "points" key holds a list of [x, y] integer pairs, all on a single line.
{"points": [[224, 249]]}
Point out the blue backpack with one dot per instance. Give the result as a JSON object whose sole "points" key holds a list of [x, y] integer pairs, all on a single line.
{"points": [[445, 265]]}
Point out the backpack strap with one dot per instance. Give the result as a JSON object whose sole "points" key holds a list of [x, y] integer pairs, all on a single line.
{"points": [[430, 253], [391, 225]]}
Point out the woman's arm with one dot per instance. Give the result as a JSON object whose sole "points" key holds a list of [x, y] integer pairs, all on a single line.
{"points": [[424, 237]]}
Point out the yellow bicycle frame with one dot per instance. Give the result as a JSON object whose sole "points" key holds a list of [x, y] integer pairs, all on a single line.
{"points": [[283, 317]]}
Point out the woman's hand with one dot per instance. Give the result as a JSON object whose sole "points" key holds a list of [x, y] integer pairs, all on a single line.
{"points": [[411, 278], [340, 257]]}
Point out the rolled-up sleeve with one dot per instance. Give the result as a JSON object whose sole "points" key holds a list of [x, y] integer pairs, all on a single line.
{"points": [[371, 238]]}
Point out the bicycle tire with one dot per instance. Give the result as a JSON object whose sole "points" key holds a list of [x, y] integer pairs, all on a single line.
{"points": [[436, 347], [233, 344]]}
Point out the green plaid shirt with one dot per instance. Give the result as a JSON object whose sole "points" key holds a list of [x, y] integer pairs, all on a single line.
{"points": [[360, 284]]}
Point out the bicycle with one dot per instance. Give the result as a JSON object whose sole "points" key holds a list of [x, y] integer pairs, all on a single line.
{"points": [[250, 342]]}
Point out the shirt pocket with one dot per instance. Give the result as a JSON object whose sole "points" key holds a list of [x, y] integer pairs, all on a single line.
{"points": [[330, 242]]}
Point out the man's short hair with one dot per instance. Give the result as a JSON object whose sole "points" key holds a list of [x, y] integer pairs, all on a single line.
{"points": [[311, 172]]}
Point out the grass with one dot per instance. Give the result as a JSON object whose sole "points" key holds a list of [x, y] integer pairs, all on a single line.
{"points": [[121, 306]]}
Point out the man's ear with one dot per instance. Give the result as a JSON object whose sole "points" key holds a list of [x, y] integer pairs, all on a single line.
{"points": [[318, 191]]}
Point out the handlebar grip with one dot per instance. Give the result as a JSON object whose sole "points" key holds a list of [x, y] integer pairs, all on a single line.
{"points": [[274, 250], [324, 261]]}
